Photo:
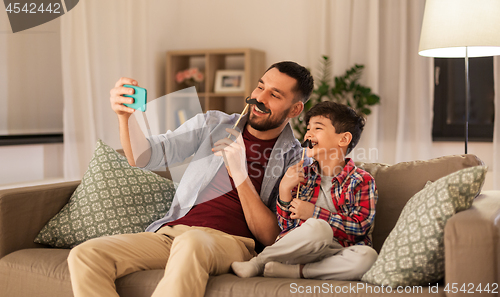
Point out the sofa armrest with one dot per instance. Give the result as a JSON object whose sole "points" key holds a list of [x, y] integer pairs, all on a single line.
{"points": [[472, 245], [25, 211]]}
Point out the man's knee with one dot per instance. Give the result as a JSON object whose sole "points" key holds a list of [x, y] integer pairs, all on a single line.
{"points": [[193, 244], [86, 254], [192, 238], [192, 241]]}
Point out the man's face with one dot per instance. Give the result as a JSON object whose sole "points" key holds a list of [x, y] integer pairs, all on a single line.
{"points": [[275, 92]]}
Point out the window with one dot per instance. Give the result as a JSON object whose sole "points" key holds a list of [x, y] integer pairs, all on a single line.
{"points": [[449, 99]]}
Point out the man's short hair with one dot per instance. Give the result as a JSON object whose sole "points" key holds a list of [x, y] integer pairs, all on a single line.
{"points": [[305, 81], [343, 118]]}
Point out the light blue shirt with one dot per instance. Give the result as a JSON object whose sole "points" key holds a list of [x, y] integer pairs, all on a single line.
{"points": [[196, 136]]}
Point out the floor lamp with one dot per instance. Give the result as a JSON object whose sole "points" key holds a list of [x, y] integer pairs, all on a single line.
{"points": [[461, 29]]}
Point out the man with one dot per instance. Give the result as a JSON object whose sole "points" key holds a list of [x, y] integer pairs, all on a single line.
{"points": [[218, 210]]}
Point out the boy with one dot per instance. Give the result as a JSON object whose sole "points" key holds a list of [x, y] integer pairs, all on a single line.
{"points": [[326, 228]]}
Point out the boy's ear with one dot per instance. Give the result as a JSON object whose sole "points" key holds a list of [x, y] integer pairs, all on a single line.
{"points": [[296, 109], [345, 139]]}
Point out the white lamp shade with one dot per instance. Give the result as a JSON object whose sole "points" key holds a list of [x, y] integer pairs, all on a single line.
{"points": [[449, 26]]}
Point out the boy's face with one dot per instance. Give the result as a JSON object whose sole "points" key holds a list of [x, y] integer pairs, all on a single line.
{"points": [[328, 144]]}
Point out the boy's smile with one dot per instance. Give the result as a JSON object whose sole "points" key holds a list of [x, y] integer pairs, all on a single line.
{"points": [[329, 147], [323, 137]]}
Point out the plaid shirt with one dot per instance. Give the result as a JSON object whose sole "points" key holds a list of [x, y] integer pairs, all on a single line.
{"points": [[354, 196]]}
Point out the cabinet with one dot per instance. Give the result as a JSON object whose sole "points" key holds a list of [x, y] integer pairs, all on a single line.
{"points": [[208, 61]]}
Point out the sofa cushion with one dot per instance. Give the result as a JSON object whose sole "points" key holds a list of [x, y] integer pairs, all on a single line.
{"points": [[44, 273], [113, 198], [413, 253], [396, 184], [35, 272]]}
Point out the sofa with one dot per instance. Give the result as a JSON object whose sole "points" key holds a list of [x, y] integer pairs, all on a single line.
{"points": [[471, 242]]}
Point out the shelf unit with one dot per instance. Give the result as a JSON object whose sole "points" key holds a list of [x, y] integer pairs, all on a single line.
{"points": [[251, 61]]}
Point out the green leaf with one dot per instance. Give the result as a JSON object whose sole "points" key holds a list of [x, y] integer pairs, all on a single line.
{"points": [[322, 89], [336, 90], [366, 111], [372, 99]]}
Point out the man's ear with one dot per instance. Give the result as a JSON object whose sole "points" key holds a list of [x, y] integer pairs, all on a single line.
{"points": [[345, 139], [296, 109]]}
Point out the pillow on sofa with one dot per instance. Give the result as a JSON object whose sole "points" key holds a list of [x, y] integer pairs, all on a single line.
{"points": [[413, 253], [397, 183], [113, 198]]}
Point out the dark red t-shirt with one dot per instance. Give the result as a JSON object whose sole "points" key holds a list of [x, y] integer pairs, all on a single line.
{"points": [[225, 213]]}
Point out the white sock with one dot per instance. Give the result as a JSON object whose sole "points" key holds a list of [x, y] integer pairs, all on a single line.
{"points": [[276, 269], [248, 268]]}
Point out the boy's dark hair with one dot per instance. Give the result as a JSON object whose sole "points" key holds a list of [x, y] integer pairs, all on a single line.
{"points": [[343, 118], [305, 81]]}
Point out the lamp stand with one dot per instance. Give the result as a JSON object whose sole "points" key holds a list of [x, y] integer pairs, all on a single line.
{"points": [[467, 97]]}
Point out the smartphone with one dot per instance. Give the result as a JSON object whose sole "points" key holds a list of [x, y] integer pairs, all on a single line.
{"points": [[140, 98]]}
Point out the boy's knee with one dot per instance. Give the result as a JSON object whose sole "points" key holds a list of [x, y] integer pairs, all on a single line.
{"points": [[318, 228]]}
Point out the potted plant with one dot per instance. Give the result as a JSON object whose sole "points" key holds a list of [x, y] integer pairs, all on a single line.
{"points": [[191, 77], [346, 90]]}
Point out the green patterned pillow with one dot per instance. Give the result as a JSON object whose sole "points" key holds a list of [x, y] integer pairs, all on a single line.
{"points": [[413, 253], [113, 198]]}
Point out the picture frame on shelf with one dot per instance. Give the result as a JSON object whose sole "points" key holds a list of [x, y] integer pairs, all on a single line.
{"points": [[229, 81]]}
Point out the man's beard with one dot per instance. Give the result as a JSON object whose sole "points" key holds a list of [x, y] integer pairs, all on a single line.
{"points": [[269, 123]]}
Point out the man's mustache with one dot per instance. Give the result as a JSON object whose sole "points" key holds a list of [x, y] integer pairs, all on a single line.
{"points": [[260, 105]]}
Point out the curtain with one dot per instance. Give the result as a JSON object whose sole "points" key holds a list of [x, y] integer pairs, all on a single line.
{"points": [[102, 41], [384, 36]]}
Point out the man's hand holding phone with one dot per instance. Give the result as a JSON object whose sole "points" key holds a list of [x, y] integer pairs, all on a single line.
{"points": [[117, 98], [133, 141]]}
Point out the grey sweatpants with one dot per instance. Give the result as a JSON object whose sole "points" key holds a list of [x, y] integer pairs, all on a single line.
{"points": [[312, 244]]}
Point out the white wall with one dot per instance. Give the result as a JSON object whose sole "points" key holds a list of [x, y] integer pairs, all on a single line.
{"points": [[30, 101], [30, 79], [30, 164], [280, 28]]}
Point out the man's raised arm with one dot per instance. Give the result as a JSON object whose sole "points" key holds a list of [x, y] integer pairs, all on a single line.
{"points": [[134, 143]]}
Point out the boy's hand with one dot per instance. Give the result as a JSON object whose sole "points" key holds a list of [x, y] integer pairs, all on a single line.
{"points": [[234, 156], [293, 176], [301, 209], [117, 98]]}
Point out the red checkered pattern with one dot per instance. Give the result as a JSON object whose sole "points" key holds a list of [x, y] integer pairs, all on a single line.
{"points": [[354, 196]]}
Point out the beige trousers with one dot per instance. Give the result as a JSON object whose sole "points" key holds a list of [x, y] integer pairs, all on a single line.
{"points": [[312, 244], [188, 255]]}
